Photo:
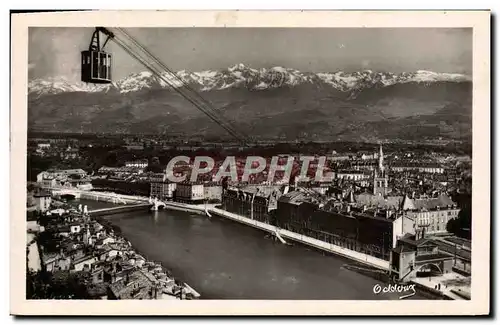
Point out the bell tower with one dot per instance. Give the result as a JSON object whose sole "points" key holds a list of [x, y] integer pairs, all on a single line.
{"points": [[380, 179]]}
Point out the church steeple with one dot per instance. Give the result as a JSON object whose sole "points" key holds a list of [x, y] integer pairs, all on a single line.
{"points": [[380, 180], [381, 160]]}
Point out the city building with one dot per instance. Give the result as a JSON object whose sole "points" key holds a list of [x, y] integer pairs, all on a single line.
{"points": [[253, 202], [368, 164], [373, 232], [43, 146], [42, 201], [70, 153], [421, 167], [134, 285], [432, 213], [161, 188], [67, 177], [141, 163], [212, 192], [190, 192], [418, 256], [352, 175]]}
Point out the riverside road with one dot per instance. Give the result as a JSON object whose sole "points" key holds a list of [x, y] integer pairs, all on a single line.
{"points": [[222, 259]]}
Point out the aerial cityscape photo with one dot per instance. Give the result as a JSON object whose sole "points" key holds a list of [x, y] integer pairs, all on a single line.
{"points": [[249, 163]]}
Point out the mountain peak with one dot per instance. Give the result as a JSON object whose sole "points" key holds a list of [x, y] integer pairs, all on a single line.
{"points": [[237, 66], [241, 75]]}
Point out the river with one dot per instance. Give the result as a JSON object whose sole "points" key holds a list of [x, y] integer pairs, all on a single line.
{"points": [[225, 260]]}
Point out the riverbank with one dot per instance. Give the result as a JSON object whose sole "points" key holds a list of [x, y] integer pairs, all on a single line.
{"points": [[280, 233], [162, 274], [355, 261], [359, 263]]}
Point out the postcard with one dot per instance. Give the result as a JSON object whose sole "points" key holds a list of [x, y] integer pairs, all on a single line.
{"points": [[250, 163]]}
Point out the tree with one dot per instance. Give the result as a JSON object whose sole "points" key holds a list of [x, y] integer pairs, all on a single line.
{"points": [[58, 285], [461, 226]]}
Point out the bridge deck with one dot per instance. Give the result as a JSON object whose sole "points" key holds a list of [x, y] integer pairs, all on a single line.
{"points": [[119, 209]]}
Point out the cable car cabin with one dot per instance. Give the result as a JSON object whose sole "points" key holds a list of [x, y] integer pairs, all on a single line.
{"points": [[96, 67]]}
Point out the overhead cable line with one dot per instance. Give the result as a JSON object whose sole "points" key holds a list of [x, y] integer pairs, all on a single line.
{"points": [[209, 111], [183, 83]]}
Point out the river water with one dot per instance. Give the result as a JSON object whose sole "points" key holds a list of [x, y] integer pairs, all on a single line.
{"points": [[225, 260]]}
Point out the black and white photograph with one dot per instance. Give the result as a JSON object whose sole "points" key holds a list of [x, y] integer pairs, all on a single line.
{"points": [[233, 163]]}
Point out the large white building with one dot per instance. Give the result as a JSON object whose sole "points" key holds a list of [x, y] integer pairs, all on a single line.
{"points": [[77, 178], [161, 188], [432, 214], [189, 192], [430, 168], [142, 163]]}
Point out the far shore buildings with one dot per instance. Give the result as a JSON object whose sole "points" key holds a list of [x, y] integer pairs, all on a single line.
{"points": [[141, 163], [370, 221], [196, 192], [76, 178], [185, 192], [161, 188], [414, 166]]}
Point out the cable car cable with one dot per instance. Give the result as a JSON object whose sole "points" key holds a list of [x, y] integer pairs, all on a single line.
{"points": [[183, 83], [144, 62], [124, 46], [152, 69]]}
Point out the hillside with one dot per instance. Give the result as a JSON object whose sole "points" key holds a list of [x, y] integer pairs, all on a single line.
{"points": [[267, 103]]}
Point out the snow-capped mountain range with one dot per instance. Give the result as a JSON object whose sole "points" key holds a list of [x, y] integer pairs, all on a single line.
{"points": [[240, 75]]}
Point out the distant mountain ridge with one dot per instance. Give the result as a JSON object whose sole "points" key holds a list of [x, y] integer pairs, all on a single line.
{"points": [[267, 103], [240, 75]]}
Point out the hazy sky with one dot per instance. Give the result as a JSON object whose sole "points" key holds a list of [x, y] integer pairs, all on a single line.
{"points": [[56, 51]]}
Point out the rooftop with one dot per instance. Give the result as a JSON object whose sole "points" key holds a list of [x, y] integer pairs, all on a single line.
{"points": [[432, 257], [442, 201], [371, 200], [135, 285]]}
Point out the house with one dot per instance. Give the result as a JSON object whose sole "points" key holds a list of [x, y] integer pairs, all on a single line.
{"points": [[111, 250], [190, 192], [63, 230], [43, 145], [254, 202], [421, 167], [351, 174], [134, 285], [212, 192], [83, 263], [106, 252], [141, 163], [75, 228], [70, 153], [161, 188], [97, 273], [418, 256], [104, 241], [371, 200], [42, 201], [55, 262], [433, 213], [66, 177]]}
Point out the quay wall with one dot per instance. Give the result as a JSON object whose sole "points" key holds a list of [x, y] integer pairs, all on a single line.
{"points": [[350, 254], [312, 242]]}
